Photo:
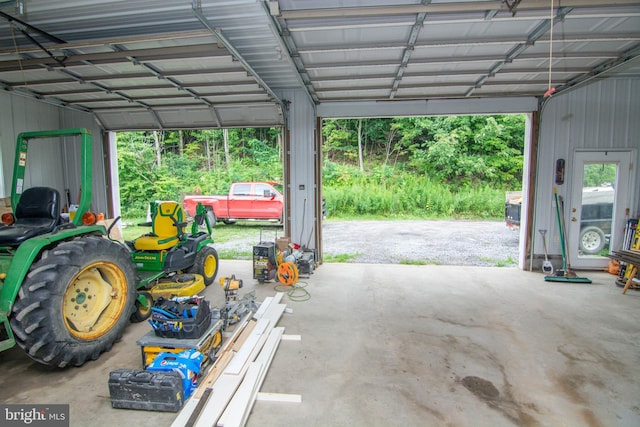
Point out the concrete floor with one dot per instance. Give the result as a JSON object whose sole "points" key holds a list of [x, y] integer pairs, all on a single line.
{"points": [[391, 345]]}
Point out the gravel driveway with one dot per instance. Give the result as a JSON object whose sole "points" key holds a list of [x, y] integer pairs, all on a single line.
{"points": [[459, 242]]}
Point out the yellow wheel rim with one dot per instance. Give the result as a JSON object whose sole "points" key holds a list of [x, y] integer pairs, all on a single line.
{"points": [[94, 300], [210, 265], [144, 308]]}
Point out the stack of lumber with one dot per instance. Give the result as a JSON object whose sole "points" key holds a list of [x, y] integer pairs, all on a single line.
{"points": [[630, 256], [226, 394]]}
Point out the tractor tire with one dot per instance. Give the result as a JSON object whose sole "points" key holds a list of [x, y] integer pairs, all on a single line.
{"points": [[206, 264], [592, 240], [75, 302], [142, 313]]}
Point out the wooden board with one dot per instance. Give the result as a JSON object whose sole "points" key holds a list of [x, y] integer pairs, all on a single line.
{"points": [[279, 397], [222, 382], [238, 410]]}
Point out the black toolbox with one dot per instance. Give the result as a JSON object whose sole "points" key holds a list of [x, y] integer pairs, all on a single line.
{"points": [[187, 318], [146, 390]]}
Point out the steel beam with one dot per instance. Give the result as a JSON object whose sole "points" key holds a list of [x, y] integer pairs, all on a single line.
{"points": [[442, 8], [234, 52], [462, 60], [570, 38]]}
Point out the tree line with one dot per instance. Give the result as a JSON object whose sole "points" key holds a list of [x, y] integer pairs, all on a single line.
{"points": [[457, 154]]}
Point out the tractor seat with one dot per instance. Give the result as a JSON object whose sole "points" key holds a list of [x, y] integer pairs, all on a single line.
{"points": [[37, 212], [166, 217]]}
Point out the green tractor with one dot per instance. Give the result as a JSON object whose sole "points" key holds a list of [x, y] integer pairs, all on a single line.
{"points": [[67, 290]]}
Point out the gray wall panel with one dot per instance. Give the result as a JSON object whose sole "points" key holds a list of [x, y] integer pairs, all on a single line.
{"points": [[20, 114], [57, 164], [73, 119], [602, 115]]}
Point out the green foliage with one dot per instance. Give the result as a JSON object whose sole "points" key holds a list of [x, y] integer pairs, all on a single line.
{"points": [[189, 170], [456, 166], [459, 150], [596, 175], [404, 193], [137, 173]]}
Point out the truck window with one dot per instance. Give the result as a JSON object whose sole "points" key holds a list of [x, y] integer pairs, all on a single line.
{"points": [[262, 189], [242, 189]]}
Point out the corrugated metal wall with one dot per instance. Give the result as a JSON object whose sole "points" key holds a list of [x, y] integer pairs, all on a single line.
{"points": [[601, 115], [58, 163]]}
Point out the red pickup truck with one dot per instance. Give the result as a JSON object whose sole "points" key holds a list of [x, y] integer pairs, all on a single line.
{"points": [[262, 201]]}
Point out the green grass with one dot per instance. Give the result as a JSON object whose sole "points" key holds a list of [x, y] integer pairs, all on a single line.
{"points": [[413, 262], [499, 262], [234, 254], [419, 262], [221, 232], [130, 229], [339, 257]]}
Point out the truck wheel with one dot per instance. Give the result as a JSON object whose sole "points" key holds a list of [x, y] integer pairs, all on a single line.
{"points": [[592, 240], [206, 264], [211, 217], [75, 302]]}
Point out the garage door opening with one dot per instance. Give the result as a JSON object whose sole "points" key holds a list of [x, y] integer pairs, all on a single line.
{"points": [[422, 190]]}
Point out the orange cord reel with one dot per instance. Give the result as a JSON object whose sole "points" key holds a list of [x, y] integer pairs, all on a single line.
{"points": [[287, 273]]}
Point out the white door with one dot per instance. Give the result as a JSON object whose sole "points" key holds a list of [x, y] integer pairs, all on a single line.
{"points": [[600, 201]]}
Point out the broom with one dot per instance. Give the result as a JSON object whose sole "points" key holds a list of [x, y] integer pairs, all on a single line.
{"points": [[564, 275]]}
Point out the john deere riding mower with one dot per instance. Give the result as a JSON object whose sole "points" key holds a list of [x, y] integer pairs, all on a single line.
{"points": [[67, 291], [169, 261]]}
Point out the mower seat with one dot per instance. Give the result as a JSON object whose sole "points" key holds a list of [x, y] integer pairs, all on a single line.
{"points": [[166, 220], [37, 212]]}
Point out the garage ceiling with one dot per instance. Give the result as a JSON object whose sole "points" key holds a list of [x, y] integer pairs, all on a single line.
{"points": [[148, 64]]}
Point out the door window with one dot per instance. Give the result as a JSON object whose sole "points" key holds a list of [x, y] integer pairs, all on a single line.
{"points": [[242, 189], [598, 196], [263, 190]]}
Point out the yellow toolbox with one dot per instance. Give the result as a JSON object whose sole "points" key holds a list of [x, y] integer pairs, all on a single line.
{"points": [[151, 345]]}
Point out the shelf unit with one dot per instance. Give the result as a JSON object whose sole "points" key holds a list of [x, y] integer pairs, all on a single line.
{"points": [[631, 242]]}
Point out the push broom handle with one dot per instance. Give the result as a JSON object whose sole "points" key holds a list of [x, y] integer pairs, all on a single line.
{"points": [[564, 257]]}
